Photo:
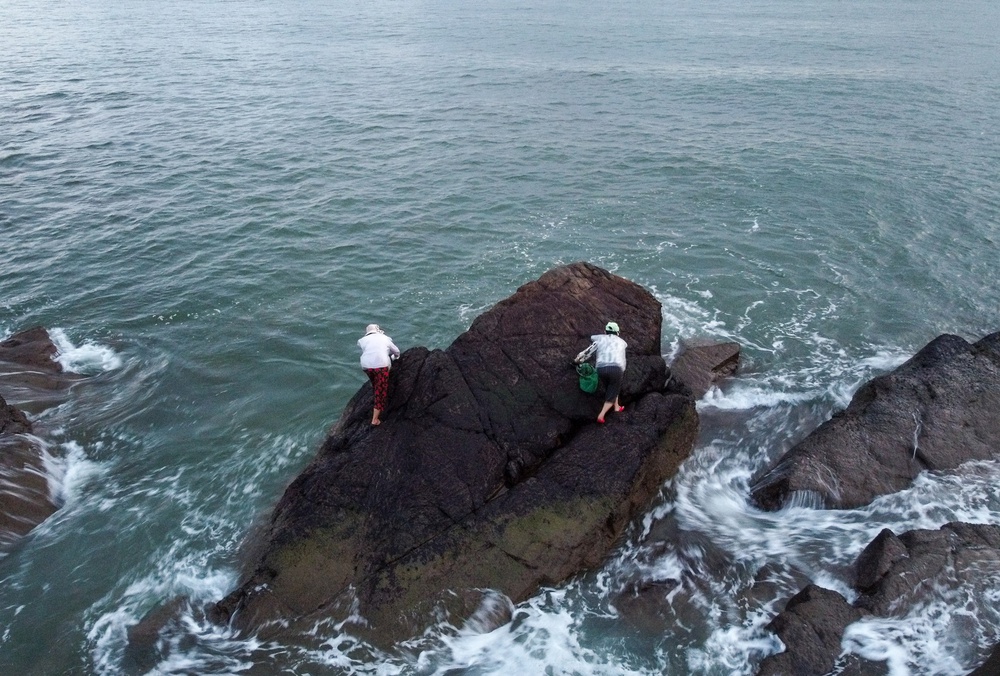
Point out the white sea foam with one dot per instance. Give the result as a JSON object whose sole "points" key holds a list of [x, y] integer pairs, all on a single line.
{"points": [[70, 472], [941, 638], [87, 358], [544, 637], [731, 645]]}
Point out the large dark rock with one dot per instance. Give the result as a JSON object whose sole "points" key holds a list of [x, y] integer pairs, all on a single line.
{"points": [[488, 471], [939, 409], [811, 627]]}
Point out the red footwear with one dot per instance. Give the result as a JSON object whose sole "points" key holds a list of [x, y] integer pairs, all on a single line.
{"points": [[600, 420], [620, 409]]}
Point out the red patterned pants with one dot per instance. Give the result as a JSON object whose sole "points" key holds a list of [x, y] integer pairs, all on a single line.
{"points": [[380, 383]]}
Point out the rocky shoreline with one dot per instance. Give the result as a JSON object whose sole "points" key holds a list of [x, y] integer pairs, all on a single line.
{"points": [[489, 478]]}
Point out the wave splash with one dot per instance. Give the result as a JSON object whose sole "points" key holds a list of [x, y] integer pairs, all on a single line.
{"points": [[87, 358]]}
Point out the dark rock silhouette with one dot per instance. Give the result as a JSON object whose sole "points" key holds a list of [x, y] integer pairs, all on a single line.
{"points": [[488, 471], [991, 667], [27, 365], [700, 365], [878, 558], [934, 412], [12, 420]]}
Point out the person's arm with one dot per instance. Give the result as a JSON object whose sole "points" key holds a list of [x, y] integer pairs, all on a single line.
{"points": [[393, 350], [585, 355]]}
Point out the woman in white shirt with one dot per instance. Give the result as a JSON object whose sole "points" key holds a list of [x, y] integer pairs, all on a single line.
{"points": [[610, 349], [377, 353]]}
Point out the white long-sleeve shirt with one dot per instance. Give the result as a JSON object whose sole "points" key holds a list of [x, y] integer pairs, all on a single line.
{"points": [[376, 349], [610, 350]]}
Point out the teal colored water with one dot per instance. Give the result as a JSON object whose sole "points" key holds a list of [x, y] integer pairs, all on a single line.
{"points": [[210, 200]]}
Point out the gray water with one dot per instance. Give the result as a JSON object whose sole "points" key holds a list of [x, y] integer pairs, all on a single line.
{"points": [[208, 201]]}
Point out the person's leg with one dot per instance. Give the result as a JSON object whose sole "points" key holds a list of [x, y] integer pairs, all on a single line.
{"points": [[380, 384], [611, 376]]}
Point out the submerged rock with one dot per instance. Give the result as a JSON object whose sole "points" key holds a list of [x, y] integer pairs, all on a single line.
{"points": [[487, 473], [934, 412]]}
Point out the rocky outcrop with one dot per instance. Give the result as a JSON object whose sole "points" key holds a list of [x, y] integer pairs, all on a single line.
{"points": [[699, 365], [488, 471], [811, 627], [26, 359], [918, 563], [32, 348], [934, 412], [894, 574], [25, 495]]}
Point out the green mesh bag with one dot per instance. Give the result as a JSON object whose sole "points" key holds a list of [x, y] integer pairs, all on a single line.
{"points": [[588, 377]]}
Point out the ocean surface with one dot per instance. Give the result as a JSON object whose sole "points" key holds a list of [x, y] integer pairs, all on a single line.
{"points": [[207, 200]]}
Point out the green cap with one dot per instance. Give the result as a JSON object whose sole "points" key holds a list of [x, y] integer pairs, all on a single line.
{"points": [[611, 327]]}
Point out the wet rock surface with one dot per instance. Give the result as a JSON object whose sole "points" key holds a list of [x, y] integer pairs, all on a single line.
{"points": [[923, 561], [32, 348], [488, 471], [699, 365], [26, 367], [934, 412]]}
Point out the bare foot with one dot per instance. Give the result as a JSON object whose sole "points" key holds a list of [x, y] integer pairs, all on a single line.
{"points": [[376, 422]]}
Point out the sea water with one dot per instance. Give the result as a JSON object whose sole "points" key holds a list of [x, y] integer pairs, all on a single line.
{"points": [[207, 200]]}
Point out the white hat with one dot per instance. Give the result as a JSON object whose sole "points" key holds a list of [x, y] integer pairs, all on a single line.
{"points": [[372, 328]]}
